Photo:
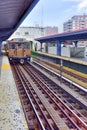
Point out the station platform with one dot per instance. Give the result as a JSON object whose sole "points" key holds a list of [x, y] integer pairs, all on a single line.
{"points": [[11, 113], [72, 63]]}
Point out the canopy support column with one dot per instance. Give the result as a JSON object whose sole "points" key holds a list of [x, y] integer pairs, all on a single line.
{"points": [[0, 47], [46, 47], [41, 47], [58, 48], [76, 44], [31, 45]]}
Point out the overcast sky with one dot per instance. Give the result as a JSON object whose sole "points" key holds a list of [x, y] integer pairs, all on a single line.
{"points": [[55, 12]]}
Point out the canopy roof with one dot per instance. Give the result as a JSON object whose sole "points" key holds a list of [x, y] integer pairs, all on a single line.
{"points": [[12, 13], [68, 36]]}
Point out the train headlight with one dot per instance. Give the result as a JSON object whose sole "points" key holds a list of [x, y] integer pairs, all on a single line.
{"points": [[10, 58], [22, 61]]}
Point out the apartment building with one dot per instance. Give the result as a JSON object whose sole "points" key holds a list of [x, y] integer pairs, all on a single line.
{"points": [[51, 30], [77, 22]]}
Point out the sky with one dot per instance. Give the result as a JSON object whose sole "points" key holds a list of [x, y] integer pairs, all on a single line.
{"points": [[55, 12]]}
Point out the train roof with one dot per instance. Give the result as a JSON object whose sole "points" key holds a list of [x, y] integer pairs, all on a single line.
{"points": [[18, 40]]}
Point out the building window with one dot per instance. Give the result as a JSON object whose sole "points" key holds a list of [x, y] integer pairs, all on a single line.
{"points": [[19, 45], [19, 40], [17, 33], [12, 46], [52, 45], [26, 45], [26, 33]]}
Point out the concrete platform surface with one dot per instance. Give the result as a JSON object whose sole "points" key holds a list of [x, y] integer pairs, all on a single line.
{"points": [[0, 63], [11, 113]]}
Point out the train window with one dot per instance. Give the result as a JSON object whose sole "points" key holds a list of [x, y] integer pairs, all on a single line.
{"points": [[26, 45], [17, 33], [12, 46], [19, 40], [26, 33], [19, 45]]}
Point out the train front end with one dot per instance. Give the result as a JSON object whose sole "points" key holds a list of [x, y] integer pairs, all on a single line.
{"points": [[19, 51]]}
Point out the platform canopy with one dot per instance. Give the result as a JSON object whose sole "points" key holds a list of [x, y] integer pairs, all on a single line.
{"points": [[12, 14], [68, 36]]}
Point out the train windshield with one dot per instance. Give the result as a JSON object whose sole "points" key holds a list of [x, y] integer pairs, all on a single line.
{"points": [[26, 46], [19, 45], [12, 46]]}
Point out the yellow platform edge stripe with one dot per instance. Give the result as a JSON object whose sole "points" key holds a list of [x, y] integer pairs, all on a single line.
{"points": [[5, 66]]}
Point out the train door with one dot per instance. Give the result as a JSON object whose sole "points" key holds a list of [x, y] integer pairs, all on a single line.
{"points": [[26, 49], [19, 49], [12, 49]]}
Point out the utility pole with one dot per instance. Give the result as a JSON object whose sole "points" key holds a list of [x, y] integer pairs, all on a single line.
{"points": [[42, 20], [61, 69]]}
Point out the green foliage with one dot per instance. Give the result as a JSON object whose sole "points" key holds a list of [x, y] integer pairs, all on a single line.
{"points": [[33, 53]]}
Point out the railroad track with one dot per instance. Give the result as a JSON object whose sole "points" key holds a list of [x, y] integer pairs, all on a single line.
{"points": [[46, 101], [76, 87], [38, 118], [47, 75], [72, 110], [30, 112], [64, 71]]}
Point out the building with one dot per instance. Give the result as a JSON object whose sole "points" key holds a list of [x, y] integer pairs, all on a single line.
{"points": [[75, 23], [67, 26], [30, 33], [51, 30]]}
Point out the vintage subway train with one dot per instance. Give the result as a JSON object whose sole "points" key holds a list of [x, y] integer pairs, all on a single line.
{"points": [[19, 50]]}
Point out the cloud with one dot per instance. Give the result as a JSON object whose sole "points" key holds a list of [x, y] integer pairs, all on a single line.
{"points": [[73, 0], [70, 10], [82, 4]]}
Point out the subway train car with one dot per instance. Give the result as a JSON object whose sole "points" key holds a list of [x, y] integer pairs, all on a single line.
{"points": [[19, 50]]}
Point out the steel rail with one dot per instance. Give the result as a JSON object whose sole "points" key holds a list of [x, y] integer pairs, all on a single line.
{"points": [[51, 97], [34, 109], [23, 80], [56, 67], [59, 86], [26, 82], [79, 121], [65, 79], [45, 80]]}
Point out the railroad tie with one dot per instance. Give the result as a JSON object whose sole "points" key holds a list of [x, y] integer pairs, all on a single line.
{"points": [[57, 119]]}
